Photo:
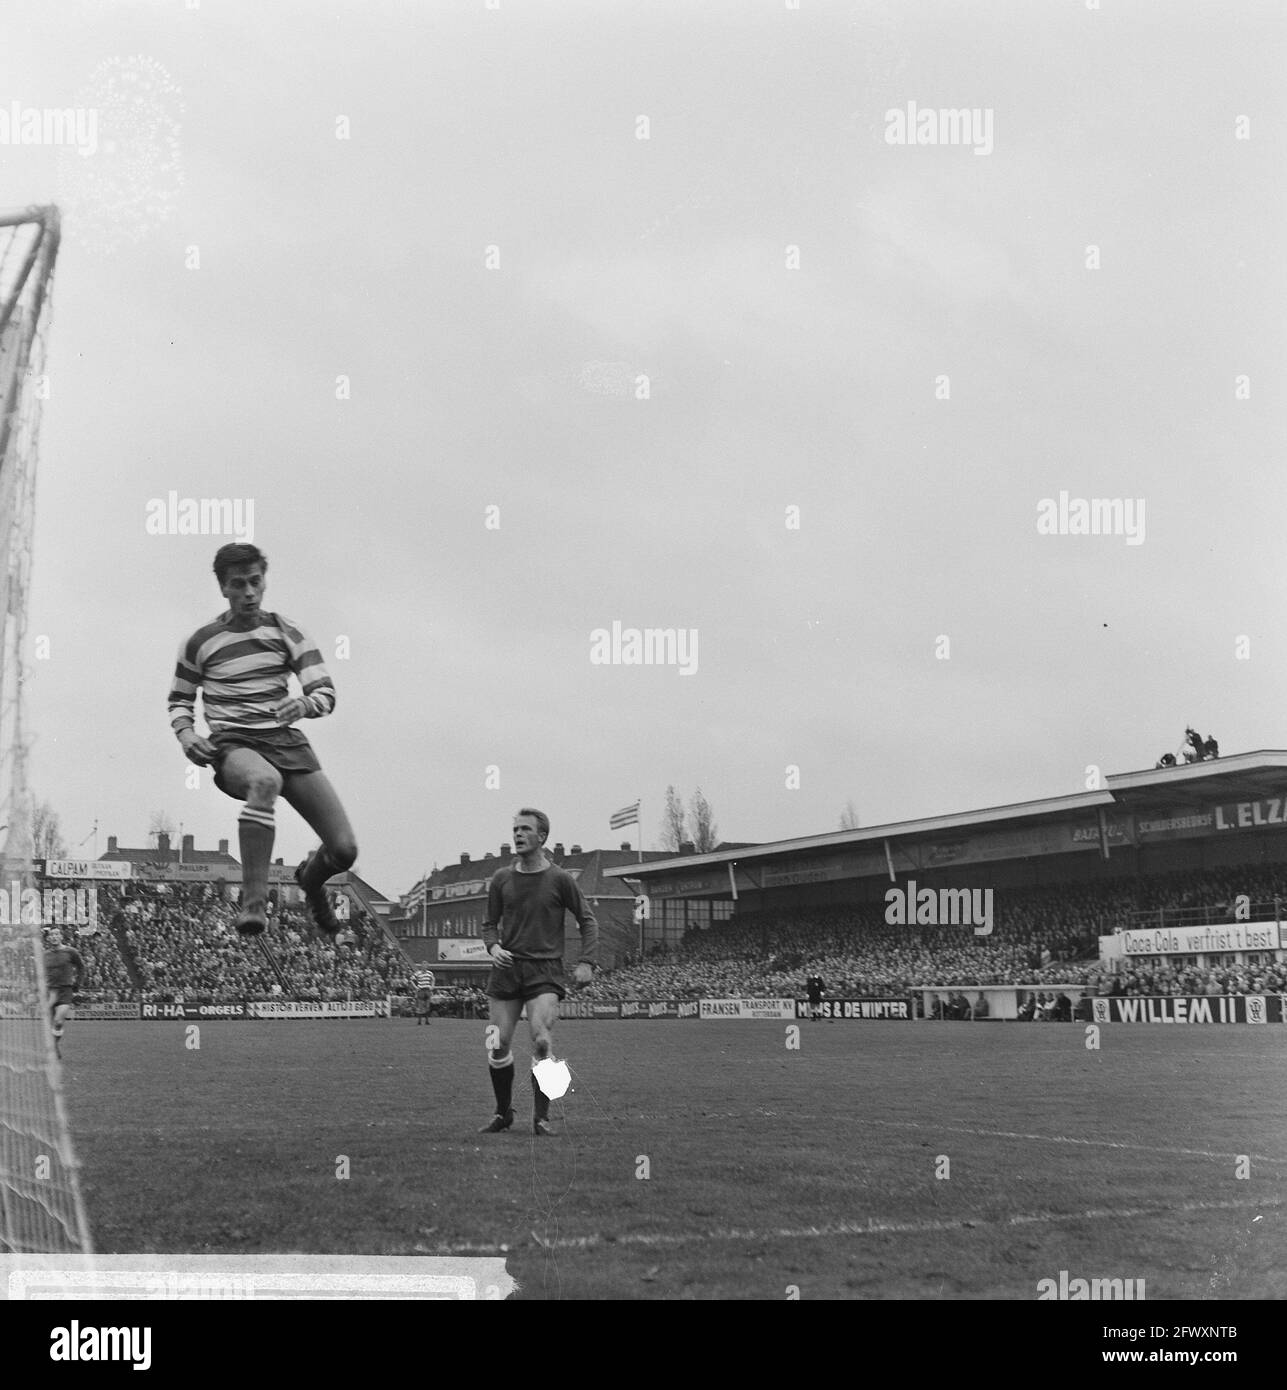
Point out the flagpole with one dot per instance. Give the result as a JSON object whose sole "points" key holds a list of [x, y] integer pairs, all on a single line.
{"points": [[639, 826]]}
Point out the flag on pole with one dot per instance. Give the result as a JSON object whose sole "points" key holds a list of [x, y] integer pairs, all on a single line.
{"points": [[628, 815]]}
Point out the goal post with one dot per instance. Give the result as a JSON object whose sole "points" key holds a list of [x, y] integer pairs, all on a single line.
{"points": [[41, 1209]]}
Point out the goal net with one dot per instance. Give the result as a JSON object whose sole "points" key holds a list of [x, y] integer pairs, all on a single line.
{"points": [[41, 1211]]}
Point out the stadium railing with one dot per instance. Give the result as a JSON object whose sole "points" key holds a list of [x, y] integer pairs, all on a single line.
{"points": [[1267, 910]]}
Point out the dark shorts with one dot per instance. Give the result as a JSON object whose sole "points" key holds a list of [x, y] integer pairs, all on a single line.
{"points": [[62, 994], [525, 979], [286, 749]]}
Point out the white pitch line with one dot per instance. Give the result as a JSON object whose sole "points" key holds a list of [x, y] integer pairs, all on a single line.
{"points": [[871, 1227], [963, 1129], [1068, 1139]]}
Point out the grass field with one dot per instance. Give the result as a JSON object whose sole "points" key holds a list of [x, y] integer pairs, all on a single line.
{"points": [[767, 1168]]}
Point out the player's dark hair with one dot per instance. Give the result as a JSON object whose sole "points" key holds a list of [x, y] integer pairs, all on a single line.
{"points": [[541, 819], [237, 553]]}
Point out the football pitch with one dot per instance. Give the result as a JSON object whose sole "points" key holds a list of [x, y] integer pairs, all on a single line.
{"points": [[705, 1160]]}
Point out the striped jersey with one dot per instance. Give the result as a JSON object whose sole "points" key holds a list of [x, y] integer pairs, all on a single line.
{"points": [[242, 675], [423, 979]]}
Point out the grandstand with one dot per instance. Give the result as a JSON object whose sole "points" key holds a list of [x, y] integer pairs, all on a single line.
{"points": [[1079, 881], [165, 934]]}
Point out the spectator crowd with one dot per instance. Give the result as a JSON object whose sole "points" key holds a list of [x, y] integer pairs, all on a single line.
{"points": [[158, 942], [1046, 935], [161, 941]]}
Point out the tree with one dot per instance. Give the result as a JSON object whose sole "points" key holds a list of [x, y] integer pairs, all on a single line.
{"points": [[849, 816], [672, 822], [162, 823], [705, 831], [46, 834]]}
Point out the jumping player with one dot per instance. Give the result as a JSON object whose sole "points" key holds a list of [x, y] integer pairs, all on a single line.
{"points": [[523, 934], [241, 661], [64, 970]]}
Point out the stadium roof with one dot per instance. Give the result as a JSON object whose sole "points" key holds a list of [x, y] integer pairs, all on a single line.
{"points": [[1241, 777], [372, 893]]}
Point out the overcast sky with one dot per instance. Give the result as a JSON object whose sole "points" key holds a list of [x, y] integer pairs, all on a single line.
{"points": [[213, 373]]}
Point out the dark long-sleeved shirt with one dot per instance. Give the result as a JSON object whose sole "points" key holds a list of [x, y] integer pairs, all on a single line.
{"points": [[525, 914], [63, 968]]}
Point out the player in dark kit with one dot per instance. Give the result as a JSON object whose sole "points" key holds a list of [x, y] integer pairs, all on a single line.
{"points": [[64, 970], [523, 934], [816, 989], [241, 661]]}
